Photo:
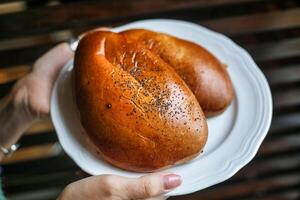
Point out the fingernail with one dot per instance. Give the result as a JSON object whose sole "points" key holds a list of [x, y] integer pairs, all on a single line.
{"points": [[171, 181]]}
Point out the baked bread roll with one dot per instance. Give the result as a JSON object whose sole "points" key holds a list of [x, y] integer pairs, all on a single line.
{"points": [[134, 107], [205, 75]]}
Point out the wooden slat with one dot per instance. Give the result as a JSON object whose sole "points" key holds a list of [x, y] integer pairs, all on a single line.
{"points": [[10, 1], [25, 42], [250, 188], [26, 180], [41, 166], [30, 41], [13, 73], [292, 130], [288, 97], [12, 7], [33, 153], [275, 50], [36, 146], [43, 125], [285, 122], [261, 22], [267, 168], [285, 74], [95, 12], [49, 193], [288, 195], [290, 151], [267, 36], [37, 139], [42, 182], [278, 63], [23, 56], [5, 88], [289, 109], [289, 86], [280, 144]]}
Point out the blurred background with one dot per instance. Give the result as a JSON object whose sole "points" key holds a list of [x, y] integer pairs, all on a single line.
{"points": [[268, 29]]}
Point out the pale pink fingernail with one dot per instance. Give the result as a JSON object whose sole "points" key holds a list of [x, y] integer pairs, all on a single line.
{"points": [[171, 181]]}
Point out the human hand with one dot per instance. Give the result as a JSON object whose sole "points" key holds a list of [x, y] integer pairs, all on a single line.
{"points": [[30, 97], [110, 187]]}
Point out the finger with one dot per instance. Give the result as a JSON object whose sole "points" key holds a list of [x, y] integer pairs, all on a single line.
{"points": [[149, 186], [117, 187], [49, 65]]}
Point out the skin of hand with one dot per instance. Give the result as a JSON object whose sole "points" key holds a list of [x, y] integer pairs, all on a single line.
{"points": [[30, 100], [108, 187]]}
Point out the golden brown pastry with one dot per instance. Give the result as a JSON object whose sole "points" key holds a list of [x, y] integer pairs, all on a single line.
{"points": [[133, 106], [206, 76]]}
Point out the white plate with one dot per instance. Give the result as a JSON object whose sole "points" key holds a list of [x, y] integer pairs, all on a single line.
{"points": [[234, 136]]}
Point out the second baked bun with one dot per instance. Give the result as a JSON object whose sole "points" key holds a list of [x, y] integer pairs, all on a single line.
{"points": [[206, 76]]}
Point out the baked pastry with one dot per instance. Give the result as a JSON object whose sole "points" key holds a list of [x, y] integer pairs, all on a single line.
{"points": [[136, 110], [205, 75]]}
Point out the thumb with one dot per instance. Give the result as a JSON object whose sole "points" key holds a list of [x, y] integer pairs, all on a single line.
{"points": [[148, 186]]}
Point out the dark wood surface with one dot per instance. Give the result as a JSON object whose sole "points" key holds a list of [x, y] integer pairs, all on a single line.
{"points": [[268, 29]]}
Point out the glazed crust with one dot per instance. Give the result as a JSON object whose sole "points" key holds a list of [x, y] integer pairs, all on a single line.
{"points": [[134, 107], [205, 75]]}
